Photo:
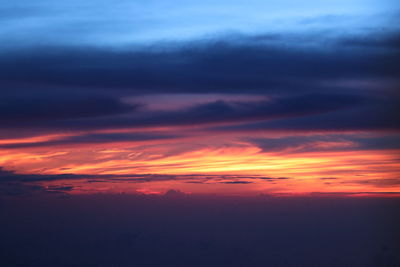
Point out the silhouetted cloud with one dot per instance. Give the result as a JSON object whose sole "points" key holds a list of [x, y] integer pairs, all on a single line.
{"points": [[209, 113], [237, 182], [327, 142], [174, 193], [33, 108], [19, 189], [93, 138], [382, 182], [11, 176], [306, 88], [223, 66], [355, 193], [375, 115]]}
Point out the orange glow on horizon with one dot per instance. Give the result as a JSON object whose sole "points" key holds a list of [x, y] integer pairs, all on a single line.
{"points": [[307, 172]]}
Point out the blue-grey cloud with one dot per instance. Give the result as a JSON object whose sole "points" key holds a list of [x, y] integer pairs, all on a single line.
{"points": [[33, 108], [95, 113], [381, 114], [330, 142], [309, 88], [224, 66]]}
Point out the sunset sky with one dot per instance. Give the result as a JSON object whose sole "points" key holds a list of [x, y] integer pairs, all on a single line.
{"points": [[203, 97]]}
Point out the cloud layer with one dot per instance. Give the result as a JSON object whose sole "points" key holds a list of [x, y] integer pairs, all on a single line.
{"points": [[303, 104]]}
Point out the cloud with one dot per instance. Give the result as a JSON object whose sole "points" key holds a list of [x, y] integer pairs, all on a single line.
{"points": [[382, 40], [237, 182], [19, 189], [359, 193], [328, 142], [172, 193], [273, 179], [223, 66], [13, 184], [11, 176], [380, 113], [92, 114], [42, 107], [301, 88], [93, 138], [382, 182]]}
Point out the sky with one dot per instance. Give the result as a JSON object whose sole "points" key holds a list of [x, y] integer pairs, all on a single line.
{"points": [[199, 133], [200, 97]]}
